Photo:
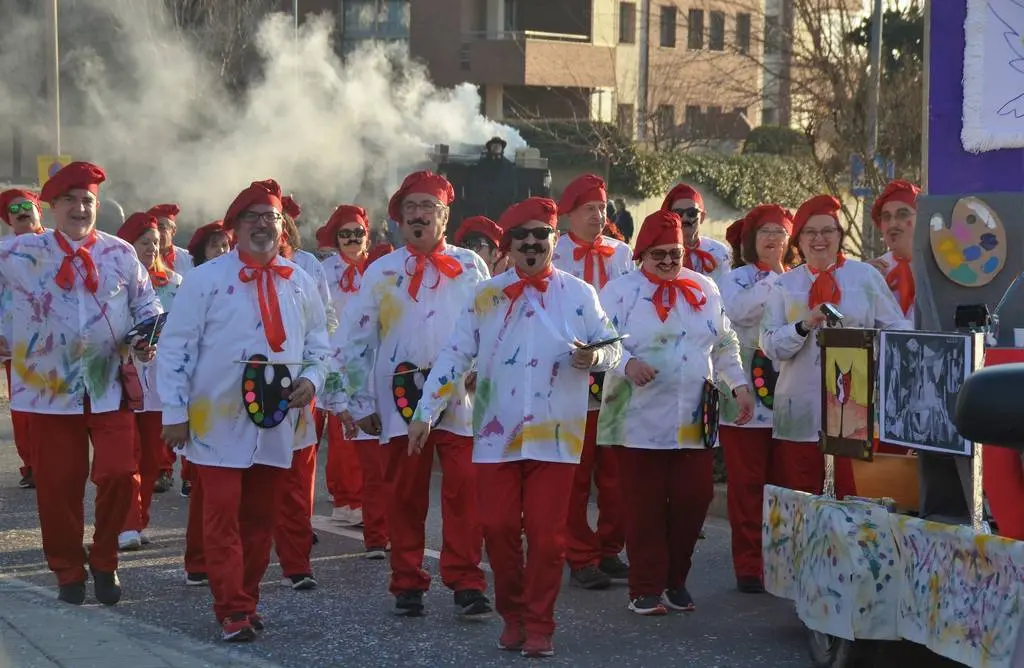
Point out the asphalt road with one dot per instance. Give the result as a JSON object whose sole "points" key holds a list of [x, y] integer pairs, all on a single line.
{"points": [[347, 620]]}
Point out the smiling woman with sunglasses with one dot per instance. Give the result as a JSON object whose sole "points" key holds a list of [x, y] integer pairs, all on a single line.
{"points": [[703, 255]]}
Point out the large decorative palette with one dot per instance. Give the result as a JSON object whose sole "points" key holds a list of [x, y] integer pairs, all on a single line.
{"points": [[147, 332], [709, 414], [595, 384], [265, 391], [969, 247], [763, 376]]}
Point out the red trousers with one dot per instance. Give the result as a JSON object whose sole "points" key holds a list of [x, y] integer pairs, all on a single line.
{"points": [[376, 492], [195, 559], [319, 421], [584, 546], [750, 460], [462, 537], [21, 425], [801, 466], [238, 529], [533, 496], [149, 450], [667, 495], [61, 470], [1003, 481], [293, 531], [344, 476]]}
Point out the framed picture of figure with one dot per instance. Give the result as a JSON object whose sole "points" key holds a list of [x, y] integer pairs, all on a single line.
{"points": [[847, 392], [921, 374]]}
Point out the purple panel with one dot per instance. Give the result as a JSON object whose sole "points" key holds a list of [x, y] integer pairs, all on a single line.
{"points": [[951, 170]]}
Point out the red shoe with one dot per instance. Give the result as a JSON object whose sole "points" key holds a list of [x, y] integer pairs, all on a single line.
{"points": [[237, 628], [512, 638], [537, 647]]}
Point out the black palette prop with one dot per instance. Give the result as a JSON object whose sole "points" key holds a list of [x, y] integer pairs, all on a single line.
{"points": [[764, 377], [147, 332], [596, 384], [709, 414], [266, 402], [407, 390]]}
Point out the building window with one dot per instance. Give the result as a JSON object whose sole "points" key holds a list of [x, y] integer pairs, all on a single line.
{"points": [[692, 116], [771, 35], [769, 116], [386, 20], [668, 27], [666, 118], [625, 120], [743, 33], [627, 23], [695, 29], [716, 32]]}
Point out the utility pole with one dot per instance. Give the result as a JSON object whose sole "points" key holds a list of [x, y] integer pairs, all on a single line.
{"points": [[53, 69], [871, 240]]}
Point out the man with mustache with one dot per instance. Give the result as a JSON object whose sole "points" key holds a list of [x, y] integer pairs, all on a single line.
{"points": [[402, 316], [76, 292], [482, 236], [248, 305], [585, 253], [531, 414], [20, 210], [703, 255], [893, 214]]}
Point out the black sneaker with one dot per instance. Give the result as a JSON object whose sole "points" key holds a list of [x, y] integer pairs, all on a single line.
{"points": [[27, 481], [256, 620], [300, 582], [590, 577], [614, 568], [316, 539], [196, 580], [470, 602], [647, 606], [409, 603], [749, 585], [73, 593], [678, 599], [164, 482], [376, 552], [106, 587], [186, 488]]}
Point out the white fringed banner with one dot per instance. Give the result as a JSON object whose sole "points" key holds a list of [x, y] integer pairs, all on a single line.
{"points": [[993, 75]]}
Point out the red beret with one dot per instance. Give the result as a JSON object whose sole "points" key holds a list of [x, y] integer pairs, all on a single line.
{"points": [[683, 191], [345, 213], [258, 192], [520, 213], [479, 225], [659, 229], [290, 207], [823, 205], [896, 191], [74, 175], [583, 189], [8, 196], [734, 233], [377, 252], [136, 225], [202, 235], [420, 183], [169, 211], [767, 213], [323, 238]]}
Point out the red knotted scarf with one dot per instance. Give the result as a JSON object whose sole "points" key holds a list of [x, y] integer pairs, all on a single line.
{"points": [[761, 266], [270, 308], [825, 289], [664, 297], [901, 281], [514, 291], [699, 260], [445, 264], [158, 278], [66, 274], [169, 257], [589, 254], [347, 283]]}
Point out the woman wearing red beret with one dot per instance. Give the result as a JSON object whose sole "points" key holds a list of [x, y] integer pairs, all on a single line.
{"points": [[210, 242], [483, 236], [792, 315]]}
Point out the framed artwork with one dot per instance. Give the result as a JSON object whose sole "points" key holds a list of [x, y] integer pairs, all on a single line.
{"points": [[921, 375], [847, 392]]}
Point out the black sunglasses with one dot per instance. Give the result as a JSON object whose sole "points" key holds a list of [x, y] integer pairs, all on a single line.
{"points": [[659, 254], [355, 233], [540, 233], [691, 214]]}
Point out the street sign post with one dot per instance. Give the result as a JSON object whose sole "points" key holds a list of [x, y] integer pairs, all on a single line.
{"points": [[859, 183]]}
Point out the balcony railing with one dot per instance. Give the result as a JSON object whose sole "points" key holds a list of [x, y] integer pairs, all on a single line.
{"points": [[523, 35]]}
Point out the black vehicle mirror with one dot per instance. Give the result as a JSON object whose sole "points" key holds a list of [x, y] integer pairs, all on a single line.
{"points": [[989, 406]]}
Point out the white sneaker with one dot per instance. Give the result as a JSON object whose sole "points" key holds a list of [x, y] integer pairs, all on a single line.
{"points": [[342, 515], [129, 541], [356, 514], [144, 539]]}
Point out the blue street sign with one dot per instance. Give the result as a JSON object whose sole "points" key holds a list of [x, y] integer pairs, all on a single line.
{"points": [[858, 178]]}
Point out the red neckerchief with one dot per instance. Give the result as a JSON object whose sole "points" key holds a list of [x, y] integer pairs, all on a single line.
{"points": [[270, 308], [667, 290], [591, 253], [900, 280], [158, 278], [825, 290], [699, 260], [66, 274], [761, 266], [169, 258], [515, 290], [347, 283], [445, 264]]}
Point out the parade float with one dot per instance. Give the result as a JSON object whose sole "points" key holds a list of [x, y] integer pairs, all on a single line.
{"points": [[864, 572]]}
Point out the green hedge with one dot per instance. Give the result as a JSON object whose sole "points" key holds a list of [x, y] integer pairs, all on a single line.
{"points": [[776, 140]]}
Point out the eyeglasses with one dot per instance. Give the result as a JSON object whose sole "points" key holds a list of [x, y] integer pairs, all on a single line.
{"points": [[478, 244], [771, 232], [826, 233], [539, 233], [659, 254], [266, 217], [411, 208], [690, 215], [22, 207], [354, 233], [903, 214]]}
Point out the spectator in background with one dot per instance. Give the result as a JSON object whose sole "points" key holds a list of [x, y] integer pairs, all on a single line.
{"points": [[611, 211], [623, 220]]}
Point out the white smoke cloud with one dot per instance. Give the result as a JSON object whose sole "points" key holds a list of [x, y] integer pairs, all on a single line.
{"points": [[148, 107]]}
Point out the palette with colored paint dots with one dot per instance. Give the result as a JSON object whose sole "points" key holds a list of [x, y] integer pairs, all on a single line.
{"points": [[969, 247], [265, 391], [595, 384], [407, 389], [147, 332], [709, 414], [764, 377]]}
